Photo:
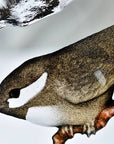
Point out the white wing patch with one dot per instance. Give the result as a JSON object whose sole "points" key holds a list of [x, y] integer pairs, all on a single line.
{"points": [[29, 92], [100, 77]]}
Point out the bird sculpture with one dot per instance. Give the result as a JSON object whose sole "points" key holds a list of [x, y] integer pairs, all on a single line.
{"points": [[25, 12], [77, 93]]}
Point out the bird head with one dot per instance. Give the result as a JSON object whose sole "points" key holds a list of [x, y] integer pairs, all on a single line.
{"points": [[9, 88], [7, 92]]}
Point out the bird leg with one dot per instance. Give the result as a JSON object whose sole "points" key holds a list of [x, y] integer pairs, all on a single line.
{"points": [[66, 133], [104, 116], [89, 128]]}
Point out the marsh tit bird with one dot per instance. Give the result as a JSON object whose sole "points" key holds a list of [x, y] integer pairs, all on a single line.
{"points": [[26, 12], [76, 92]]}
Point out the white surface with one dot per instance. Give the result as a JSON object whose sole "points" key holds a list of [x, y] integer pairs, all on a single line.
{"points": [[79, 19]]}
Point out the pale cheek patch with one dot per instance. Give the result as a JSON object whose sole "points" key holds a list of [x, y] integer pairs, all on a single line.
{"points": [[100, 77], [29, 92], [47, 115]]}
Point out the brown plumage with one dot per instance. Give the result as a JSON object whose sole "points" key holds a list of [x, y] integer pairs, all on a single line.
{"points": [[79, 83]]}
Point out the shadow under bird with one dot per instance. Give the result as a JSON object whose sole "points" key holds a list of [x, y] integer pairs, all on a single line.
{"points": [[25, 12], [77, 93]]}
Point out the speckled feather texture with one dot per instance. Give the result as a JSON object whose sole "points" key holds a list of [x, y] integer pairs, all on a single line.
{"points": [[78, 83], [25, 12]]}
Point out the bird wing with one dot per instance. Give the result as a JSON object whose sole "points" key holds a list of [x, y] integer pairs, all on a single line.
{"points": [[84, 70]]}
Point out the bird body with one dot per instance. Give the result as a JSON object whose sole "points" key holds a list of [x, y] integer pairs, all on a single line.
{"points": [[25, 12], [78, 83]]}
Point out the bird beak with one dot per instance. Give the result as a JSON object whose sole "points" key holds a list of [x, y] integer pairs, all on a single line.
{"points": [[3, 101]]}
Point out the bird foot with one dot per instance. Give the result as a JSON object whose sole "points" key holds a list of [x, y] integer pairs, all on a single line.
{"points": [[64, 133], [68, 130], [89, 128], [104, 116]]}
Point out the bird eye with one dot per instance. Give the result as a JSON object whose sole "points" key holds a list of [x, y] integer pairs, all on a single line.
{"points": [[14, 93]]}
